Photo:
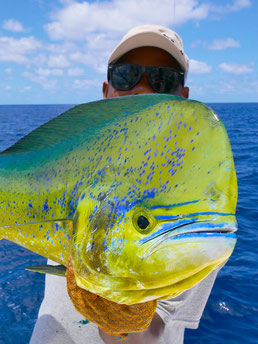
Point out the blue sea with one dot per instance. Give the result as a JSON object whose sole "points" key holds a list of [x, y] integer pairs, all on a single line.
{"points": [[231, 314]]}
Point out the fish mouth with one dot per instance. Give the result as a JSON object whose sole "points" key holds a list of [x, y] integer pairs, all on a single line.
{"points": [[130, 296]]}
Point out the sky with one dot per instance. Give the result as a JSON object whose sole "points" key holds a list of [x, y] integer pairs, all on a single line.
{"points": [[56, 51]]}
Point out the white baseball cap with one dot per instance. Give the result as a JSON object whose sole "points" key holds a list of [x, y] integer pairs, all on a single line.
{"points": [[153, 36]]}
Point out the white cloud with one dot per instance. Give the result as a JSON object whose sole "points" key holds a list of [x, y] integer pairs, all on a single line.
{"points": [[253, 86], [13, 25], [234, 6], [7, 88], [77, 19], [89, 30], [95, 59], [196, 89], [40, 59], [196, 44], [61, 48], [235, 68], [59, 61], [75, 71], [86, 84], [8, 70], [57, 72], [198, 67], [218, 44], [48, 84], [26, 89], [232, 86], [239, 4], [100, 25], [14, 50], [48, 72]]}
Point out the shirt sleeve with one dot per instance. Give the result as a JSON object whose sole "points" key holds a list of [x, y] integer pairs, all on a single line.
{"points": [[186, 309]]}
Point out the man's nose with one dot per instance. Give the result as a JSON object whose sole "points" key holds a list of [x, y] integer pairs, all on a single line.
{"points": [[143, 86]]}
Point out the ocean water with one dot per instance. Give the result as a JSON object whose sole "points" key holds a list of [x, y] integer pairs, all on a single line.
{"points": [[231, 314]]}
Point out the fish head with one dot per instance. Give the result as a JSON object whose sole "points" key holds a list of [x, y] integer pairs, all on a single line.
{"points": [[132, 254], [139, 241]]}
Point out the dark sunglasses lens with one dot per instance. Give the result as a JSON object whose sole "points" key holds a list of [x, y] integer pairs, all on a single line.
{"points": [[124, 76], [163, 80]]}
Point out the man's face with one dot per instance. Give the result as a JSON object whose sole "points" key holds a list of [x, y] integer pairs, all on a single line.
{"points": [[145, 56]]}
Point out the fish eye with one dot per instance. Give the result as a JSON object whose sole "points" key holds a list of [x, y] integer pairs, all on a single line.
{"points": [[143, 222]]}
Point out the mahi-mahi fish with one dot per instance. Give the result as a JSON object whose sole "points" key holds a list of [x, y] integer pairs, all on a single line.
{"points": [[140, 190]]}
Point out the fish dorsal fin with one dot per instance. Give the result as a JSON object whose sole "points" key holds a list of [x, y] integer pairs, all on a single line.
{"points": [[83, 121]]}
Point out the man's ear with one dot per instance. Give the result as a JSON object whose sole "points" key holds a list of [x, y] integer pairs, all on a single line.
{"points": [[105, 89], [185, 92]]}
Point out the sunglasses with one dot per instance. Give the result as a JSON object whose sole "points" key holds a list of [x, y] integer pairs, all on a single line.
{"points": [[125, 76]]}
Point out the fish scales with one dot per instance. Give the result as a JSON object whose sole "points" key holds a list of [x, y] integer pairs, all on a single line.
{"points": [[141, 189]]}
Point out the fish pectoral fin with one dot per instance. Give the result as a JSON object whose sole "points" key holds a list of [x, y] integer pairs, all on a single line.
{"points": [[57, 270]]}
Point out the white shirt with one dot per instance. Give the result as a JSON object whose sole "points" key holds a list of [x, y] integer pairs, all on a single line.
{"points": [[59, 323]]}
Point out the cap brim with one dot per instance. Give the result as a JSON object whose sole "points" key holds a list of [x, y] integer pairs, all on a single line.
{"points": [[149, 39]]}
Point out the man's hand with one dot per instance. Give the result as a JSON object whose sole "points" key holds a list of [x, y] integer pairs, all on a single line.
{"points": [[150, 336]]}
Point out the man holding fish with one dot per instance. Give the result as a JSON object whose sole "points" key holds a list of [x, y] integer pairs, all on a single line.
{"points": [[149, 59], [160, 49]]}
